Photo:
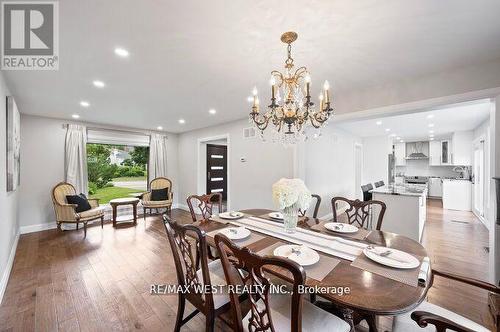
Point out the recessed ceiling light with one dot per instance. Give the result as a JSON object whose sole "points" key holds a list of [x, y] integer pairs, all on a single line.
{"points": [[378, 123], [431, 131], [392, 135], [387, 129], [431, 125], [398, 138], [182, 121], [98, 84], [431, 139], [212, 111], [430, 116], [121, 52], [401, 141], [159, 128], [84, 103], [431, 135], [75, 116]]}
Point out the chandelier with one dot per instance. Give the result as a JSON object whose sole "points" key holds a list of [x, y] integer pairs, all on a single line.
{"points": [[291, 111]]}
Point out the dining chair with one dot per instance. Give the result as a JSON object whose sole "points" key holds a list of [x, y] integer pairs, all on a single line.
{"points": [[379, 184], [270, 312], [367, 195], [359, 212], [189, 276], [443, 319], [205, 205], [316, 207]]}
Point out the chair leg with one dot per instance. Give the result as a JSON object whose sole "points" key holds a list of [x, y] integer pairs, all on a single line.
{"points": [[77, 225], [84, 229], [209, 322], [59, 226], [144, 213], [102, 222], [180, 313]]}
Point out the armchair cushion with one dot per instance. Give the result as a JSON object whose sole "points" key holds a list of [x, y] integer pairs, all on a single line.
{"points": [[159, 194], [405, 323], [81, 202], [91, 214]]}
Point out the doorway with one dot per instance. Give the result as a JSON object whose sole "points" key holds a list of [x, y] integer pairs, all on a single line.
{"points": [[216, 170]]}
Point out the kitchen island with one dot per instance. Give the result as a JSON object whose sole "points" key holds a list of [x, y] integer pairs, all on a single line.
{"points": [[406, 208]]}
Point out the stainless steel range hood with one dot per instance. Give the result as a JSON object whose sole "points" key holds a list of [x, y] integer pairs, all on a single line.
{"points": [[415, 150]]}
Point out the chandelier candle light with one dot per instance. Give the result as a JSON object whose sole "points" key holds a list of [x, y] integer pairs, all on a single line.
{"points": [[290, 110]]}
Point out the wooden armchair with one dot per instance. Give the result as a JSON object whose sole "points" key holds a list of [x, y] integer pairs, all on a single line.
{"points": [[66, 213], [442, 319], [147, 203]]}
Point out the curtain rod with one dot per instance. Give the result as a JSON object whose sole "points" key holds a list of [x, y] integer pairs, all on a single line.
{"points": [[146, 133]]}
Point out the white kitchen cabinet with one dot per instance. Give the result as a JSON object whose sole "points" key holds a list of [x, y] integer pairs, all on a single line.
{"points": [[435, 187], [446, 152], [400, 154], [462, 148], [457, 194], [435, 153]]}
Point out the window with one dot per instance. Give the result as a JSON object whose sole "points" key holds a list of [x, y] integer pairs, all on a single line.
{"points": [[116, 171]]}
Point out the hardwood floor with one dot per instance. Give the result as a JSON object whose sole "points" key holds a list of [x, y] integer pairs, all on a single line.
{"points": [[63, 282]]}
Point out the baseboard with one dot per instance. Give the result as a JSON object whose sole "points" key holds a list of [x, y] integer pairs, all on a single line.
{"points": [[10, 262], [181, 206], [37, 228]]}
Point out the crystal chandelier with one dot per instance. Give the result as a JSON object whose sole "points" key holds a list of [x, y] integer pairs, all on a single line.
{"points": [[291, 110]]}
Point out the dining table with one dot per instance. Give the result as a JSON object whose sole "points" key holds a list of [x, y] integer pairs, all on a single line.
{"points": [[370, 294]]}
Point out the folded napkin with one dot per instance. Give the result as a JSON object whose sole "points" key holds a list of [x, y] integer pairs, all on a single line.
{"points": [[424, 270]]}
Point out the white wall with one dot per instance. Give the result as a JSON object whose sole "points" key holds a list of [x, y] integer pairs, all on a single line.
{"points": [[375, 158], [42, 167], [250, 182], [9, 226]]}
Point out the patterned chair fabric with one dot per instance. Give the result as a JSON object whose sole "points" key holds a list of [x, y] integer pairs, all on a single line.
{"points": [[158, 183], [66, 213]]}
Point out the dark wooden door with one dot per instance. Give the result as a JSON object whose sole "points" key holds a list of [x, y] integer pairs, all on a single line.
{"points": [[217, 169]]}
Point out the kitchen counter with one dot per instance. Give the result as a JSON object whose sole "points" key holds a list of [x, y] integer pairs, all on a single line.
{"points": [[402, 189], [457, 194]]}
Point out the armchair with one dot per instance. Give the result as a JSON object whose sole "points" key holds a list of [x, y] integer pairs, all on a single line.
{"points": [[147, 203], [66, 213]]}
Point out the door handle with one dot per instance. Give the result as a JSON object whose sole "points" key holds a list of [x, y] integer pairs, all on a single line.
{"points": [[208, 175]]}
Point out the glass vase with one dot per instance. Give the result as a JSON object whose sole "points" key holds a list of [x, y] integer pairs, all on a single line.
{"points": [[290, 218]]}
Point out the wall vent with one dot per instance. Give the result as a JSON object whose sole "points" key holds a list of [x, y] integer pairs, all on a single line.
{"points": [[249, 132]]}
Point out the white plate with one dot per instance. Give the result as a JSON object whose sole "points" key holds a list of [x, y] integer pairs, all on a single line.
{"points": [[341, 227], [397, 258], [235, 233], [231, 215], [276, 215], [307, 256]]}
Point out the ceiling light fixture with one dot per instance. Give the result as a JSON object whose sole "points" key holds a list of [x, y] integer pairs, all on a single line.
{"points": [[430, 116], [121, 52], [431, 135], [98, 84], [75, 116], [84, 103], [387, 129], [159, 128], [431, 125], [182, 121], [431, 131], [212, 111], [291, 110], [431, 139], [378, 123]]}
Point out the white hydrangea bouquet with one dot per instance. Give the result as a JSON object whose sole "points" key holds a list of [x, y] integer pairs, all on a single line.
{"points": [[290, 195]]}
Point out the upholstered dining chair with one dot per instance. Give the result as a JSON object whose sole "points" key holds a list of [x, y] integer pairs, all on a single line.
{"points": [[379, 184], [367, 195], [270, 312], [188, 275], [204, 204], [443, 319], [66, 213], [147, 199], [316, 207], [359, 212]]}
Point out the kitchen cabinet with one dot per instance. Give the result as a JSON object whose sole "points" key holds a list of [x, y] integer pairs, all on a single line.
{"points": [[457, 195], [462, 148], [446, 152], [435, 187], [435, 153], [400, 154]]}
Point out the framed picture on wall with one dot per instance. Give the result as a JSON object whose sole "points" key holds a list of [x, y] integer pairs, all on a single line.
{"points": [[13, 145]]}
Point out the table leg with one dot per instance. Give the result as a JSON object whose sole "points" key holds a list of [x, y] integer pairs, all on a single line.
{"points": [[135, 214], [372, 322], [114, 215]]}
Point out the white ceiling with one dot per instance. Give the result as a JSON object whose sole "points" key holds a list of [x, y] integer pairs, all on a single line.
{"points": [[189, 56], [415, 126]]}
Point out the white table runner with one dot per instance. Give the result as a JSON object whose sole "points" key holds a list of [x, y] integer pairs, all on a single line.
{"points": [[328, 244]]}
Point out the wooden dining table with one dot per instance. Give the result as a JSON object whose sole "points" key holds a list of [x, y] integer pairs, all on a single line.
{"points": [[370, 294]]}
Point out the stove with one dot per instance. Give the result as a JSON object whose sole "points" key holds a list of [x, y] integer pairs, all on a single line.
{"points": [[416, 179]]}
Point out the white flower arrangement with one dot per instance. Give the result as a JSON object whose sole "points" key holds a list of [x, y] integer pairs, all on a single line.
{"points": [[291, 192]]}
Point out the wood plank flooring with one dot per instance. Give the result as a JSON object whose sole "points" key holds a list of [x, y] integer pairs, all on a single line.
{"points": [[62, 282]]}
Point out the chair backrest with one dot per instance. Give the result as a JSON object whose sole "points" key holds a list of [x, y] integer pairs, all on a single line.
{"points": [[367, 195], [187, 243], [204, 204], [160, 183], [60, 191], [234, 259], [358, 212], [316, 207], [379, 184]]}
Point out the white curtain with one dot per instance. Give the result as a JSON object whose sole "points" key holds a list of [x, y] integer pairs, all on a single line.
{"points": [[75, 161], [157, 156]]}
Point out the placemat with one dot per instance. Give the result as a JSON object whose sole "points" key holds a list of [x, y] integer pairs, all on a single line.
{"points": [[317, 271], [254, 237], [361, 234], [408, 277]]}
